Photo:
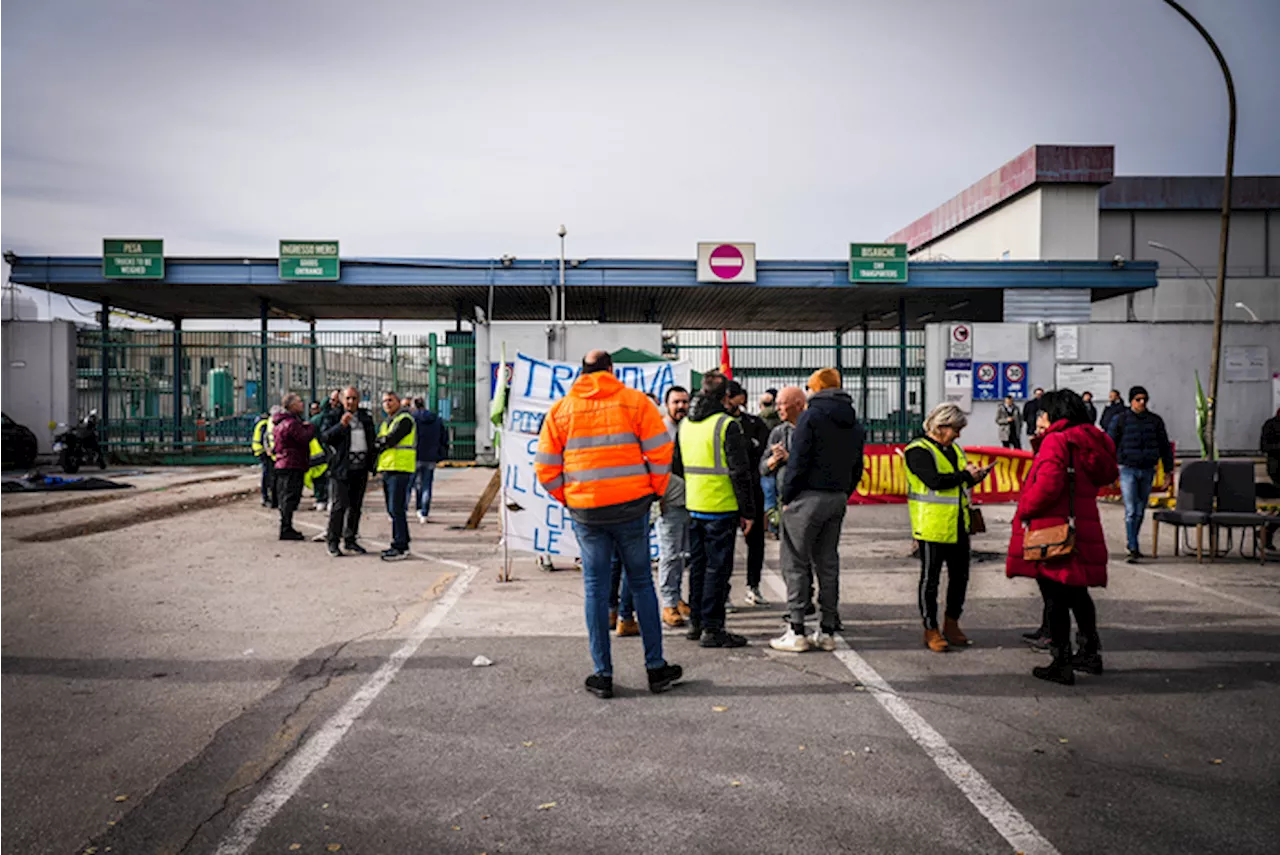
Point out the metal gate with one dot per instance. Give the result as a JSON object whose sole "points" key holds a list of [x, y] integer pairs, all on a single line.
{"points": [[884, 370], [179, 396]]}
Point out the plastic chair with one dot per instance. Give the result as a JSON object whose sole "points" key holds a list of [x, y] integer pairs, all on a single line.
{"points": [[1237, 506], [1195, 504]]}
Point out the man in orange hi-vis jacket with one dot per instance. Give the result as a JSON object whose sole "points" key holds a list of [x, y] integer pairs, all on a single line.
{"points": [[605, 453]]}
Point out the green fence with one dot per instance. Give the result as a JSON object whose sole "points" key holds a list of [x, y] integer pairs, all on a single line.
{"points": [[881, 371], [205, 410]]}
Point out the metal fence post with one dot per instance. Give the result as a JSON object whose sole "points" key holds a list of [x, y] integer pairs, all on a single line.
{"points": [[902, 369], [263, 373], [177, 384], [866, 369], [395, 366], [105, 414], [313, 360], [433, 374]]}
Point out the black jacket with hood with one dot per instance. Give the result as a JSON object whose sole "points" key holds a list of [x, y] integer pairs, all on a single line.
{"points": [[826, 447], [741, 473]]}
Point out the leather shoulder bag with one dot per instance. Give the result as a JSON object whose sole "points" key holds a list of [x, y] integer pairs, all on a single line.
{"points": [[1045, 544]]}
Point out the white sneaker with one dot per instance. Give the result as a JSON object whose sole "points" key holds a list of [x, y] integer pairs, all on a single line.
{"points": [[789, 642], [755, 598], [823, 640], [319, 506], [422, 518]]}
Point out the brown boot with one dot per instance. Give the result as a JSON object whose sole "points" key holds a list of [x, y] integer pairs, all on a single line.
{"points": [[684, 609], [671, 617], [935, 642], [628, 627], [953, 634], [613, 619]]}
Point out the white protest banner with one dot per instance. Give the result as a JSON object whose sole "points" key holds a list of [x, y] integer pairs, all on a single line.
{"points": [[536, 522], [539, 383]]}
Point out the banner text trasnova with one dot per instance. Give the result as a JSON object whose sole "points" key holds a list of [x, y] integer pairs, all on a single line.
{"points": [[536, 522], [884, 475]]}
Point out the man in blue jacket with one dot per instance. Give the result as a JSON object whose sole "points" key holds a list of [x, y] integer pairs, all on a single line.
{"points": [[433, 446], [1141, 442], [823, 470]]}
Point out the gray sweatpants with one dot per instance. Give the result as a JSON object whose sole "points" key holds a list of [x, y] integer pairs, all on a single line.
{"points": [[811, 547]]}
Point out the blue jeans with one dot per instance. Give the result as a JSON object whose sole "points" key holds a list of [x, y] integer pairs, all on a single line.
{"points": [[423, 479], [598, 544], [769, 483], [1135, 486], [710, 563], [620, 599], [395, 487]]}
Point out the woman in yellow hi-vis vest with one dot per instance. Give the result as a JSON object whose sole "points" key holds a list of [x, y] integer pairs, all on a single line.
{"points": [[938, 482], [397, 460]]}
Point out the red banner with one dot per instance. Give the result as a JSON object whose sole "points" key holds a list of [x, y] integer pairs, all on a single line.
{"points": [[884, 475]]}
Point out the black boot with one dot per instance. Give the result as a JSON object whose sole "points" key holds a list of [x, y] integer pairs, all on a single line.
{"points": [[695, 630], [1059, 670], [1089, 657]]}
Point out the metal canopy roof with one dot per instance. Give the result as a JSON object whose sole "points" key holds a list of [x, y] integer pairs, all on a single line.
{"points": [[788, 295]]}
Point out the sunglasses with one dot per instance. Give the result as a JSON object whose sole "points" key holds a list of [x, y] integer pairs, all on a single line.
{"points": [[1141, 399]]}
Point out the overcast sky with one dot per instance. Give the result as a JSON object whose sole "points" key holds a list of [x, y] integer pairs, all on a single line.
{"points": [[475, 129]]}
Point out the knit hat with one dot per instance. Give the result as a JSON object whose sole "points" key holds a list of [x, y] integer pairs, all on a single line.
{"points": [[824, 378]]}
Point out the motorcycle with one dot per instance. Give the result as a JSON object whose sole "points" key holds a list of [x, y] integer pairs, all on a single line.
{"points": [[79, 445]]}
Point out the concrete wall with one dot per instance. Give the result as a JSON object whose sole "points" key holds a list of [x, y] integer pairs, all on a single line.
{"points": [[1162, 357], [39, 375], [1069, 222], [1253, 269], [1013, 227]]}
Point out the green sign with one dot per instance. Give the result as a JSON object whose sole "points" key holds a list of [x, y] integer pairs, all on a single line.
{"points": [[130, 258], [313, 260], [877, 262]]}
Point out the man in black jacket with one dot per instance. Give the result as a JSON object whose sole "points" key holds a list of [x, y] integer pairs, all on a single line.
{"points": [[1115, 406], [350, 441], [1030, 410], [1141, 442], [823, 470], [711, 526], [756, 432]]}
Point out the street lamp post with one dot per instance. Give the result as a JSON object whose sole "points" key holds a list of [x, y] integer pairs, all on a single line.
{"points": [[564, 346], [1155, 244], [1252, 313], [1223, 234]]}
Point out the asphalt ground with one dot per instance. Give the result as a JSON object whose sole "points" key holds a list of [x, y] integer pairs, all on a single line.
{"points": [[183, 682]]}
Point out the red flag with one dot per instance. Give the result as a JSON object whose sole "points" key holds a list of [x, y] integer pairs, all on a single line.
{"points": [[725, 367]]}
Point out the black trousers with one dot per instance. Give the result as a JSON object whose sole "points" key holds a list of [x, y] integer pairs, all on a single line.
{"points": [[755, 542], [932, 557], [289, 495], [1060, 602], [346, 501], [268, 480], [1012, 442]]}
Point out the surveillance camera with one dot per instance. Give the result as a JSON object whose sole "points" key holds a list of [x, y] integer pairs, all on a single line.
{"points": [[1117, 260], [562, 231]]}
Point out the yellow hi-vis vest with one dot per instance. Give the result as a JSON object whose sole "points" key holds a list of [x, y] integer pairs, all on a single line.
{"points": [[404, 456], [708, 488], [261, 437], [935, 514], [317, 465]]}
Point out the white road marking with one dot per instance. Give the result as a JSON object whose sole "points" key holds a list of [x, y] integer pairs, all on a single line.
{"points": [[313, 752], [1003, 816], [1271, 610]]}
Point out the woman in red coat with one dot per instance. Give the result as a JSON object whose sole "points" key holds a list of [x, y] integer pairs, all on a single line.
{"points": [[1069, 450]]}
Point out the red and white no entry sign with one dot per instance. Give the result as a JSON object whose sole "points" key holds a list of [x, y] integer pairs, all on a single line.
{"points": [[722, 261], [726, 261]]}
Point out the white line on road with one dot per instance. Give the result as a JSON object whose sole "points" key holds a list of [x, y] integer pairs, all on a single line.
{"points": [[997, 810], [314, 751], [1271, 610]]}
